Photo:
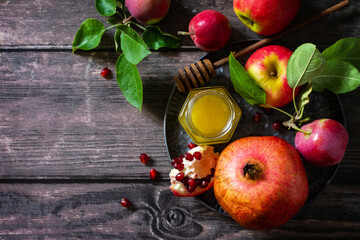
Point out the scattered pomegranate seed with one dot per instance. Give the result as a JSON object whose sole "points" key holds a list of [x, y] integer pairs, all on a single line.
{"points": [[180, 176], [257, 117], [191, 145], [125, 202], [192, 182], [212, 170], [204, 183], [197, 155], [105, 72], [269, 110], [154, 174], [189, 157], [277, 125], [144, 158]]}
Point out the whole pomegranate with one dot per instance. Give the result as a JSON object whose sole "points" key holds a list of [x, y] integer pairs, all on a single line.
{"points": [[260, 182]]}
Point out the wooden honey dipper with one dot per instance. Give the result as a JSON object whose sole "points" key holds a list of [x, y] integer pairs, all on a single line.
{"points": [[200, 73]]}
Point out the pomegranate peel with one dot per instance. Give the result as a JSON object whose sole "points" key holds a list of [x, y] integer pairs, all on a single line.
{"points": [[260, 182]]}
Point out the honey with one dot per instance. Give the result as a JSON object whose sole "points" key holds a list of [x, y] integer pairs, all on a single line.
{"points": [[209, 115]]}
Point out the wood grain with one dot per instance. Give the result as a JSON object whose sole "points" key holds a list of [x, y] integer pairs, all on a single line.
{"points": [[70, 211], [53, 24], [69, 141], [59, 118]]}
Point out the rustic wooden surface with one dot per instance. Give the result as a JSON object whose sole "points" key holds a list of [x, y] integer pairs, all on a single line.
{"points": [[69, 141]]}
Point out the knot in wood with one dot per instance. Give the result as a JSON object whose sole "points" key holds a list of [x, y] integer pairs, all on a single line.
{"points": [[175, 217]]}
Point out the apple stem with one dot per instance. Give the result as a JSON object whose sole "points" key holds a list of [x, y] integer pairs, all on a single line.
{"points": [[251, 170], [303, 131], [282, 111], [138, 25], [127, 19], [184, 33], [294, 100], [273, 74]]}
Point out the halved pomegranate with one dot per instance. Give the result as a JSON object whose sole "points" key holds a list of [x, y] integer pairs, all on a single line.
{"points": [[194, 175]]}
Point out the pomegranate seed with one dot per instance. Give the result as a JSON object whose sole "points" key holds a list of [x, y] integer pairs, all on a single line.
{"points": [[191, 145], [185, 181], [257, 117], [125, 202], [198, 181], [144, 158], [212, 170], [154, 174], [190, 188], [105, 72], [180, 158], [204, 183], [277, 125], [192, 182], [269, 110], [189, 157], [180, 176], [179, 166], [208, 178], [197, 155], [173, 161]]}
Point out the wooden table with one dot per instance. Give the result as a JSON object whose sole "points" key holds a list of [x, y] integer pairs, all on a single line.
{"points": [[69, 141]]}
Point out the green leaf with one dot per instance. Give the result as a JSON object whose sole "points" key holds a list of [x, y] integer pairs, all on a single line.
{"points": [[88, 36], [244, 84], [346, 49], [105, 7], [338, 77], [113, 20], [117, 40], [129, 81], [156, 39], [303, 99], [133, 47], [304, 64], [120, 3]]}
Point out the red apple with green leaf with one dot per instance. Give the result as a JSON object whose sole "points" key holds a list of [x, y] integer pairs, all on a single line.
{"points": [[267, 66], [266, 17], [148, 11], [325, 144]]}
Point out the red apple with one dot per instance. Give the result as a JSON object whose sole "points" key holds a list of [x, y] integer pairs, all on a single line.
{"points": [[266, 17], [326, 143], [148, 11], [210, 30], [193, 173], [260, 182], [267, 66]]}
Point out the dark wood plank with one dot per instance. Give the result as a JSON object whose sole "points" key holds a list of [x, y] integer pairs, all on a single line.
{"points": [[70, 211], [54, 23], [60, 118]]}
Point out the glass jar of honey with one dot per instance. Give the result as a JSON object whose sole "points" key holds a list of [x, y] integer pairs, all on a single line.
{"points": [[209, 115]]}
